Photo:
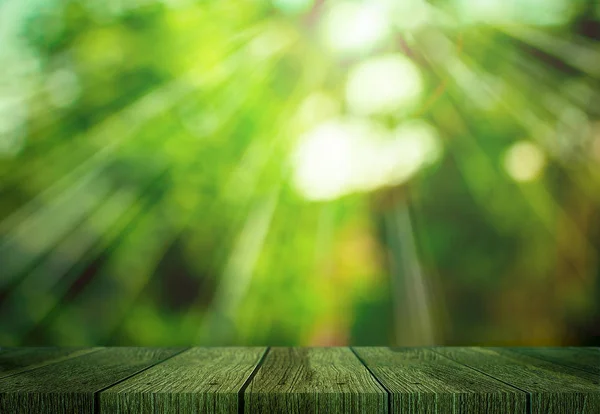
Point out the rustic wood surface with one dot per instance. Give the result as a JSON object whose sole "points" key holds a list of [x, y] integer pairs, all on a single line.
{"points": [[552, 388], [580, 358], [300, 380], [423, 381], [70, 386], [13, 361], [199, 380], [324, 380]]}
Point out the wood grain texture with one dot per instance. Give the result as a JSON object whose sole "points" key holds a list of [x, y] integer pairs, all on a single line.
{"points": [[311, 380], [422, 381], [199, 380], [571, 357], [553, 388], [16, 360], [69, 386]]}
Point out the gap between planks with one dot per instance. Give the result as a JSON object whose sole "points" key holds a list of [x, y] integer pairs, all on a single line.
{"points": [[527, 393], [97, 393], [241, 393], [241, 399], [389, 394]]}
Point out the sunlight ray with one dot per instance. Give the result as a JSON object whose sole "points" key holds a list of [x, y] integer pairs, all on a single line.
{"points": [[473, 80], [108, 242], [530, 115], [413, 321], [533, 196], [36, 295], [211, 79], [128, 295], [175, 172], [57, 204], [579, 54], [324, 237], [40, 232], [580, 240], [123, 124], [50, 204], [112, 132], [241, 185], [238, 271]]}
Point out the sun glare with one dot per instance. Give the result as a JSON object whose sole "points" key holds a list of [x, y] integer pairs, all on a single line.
{"points": [[383, 85], [355, 27], [350, 155], [524, 161]]}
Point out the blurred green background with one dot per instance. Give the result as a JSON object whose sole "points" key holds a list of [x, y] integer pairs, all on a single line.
{"points": [[297, 172]]}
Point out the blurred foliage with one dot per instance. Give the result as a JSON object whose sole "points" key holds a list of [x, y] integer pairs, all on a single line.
{"points": [[299, 172]]}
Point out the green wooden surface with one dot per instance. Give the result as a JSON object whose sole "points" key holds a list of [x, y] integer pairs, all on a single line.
{"points": [[553, 388], [199, 380], [579, 358], [300, 380], [422, 381], [70, 385], [311, 380], [14, 361]]}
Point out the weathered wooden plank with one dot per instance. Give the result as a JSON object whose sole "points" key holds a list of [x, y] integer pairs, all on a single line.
{"points": [[69, 386], [571, 357], [199, 380], [422, 381], [16, 360], [311, 380], [553, 388], [549, 365]]}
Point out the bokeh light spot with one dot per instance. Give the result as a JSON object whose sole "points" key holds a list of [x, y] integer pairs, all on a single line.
{"points": [[324, 161], [383, 85], [524, 161], [350, 155], [416, 144], [356, 27]]}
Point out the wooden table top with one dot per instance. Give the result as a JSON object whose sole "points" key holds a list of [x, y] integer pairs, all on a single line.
{"points": [[300, 380]]}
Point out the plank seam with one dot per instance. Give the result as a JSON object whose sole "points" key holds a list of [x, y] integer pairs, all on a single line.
{"points": [[388, 392], [97, 393], [527, 393], [52, 362], [551, 361], [241, 399]]}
